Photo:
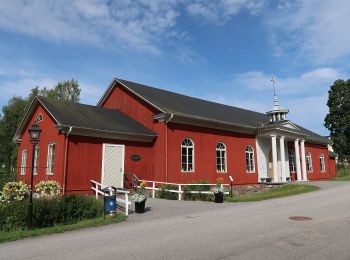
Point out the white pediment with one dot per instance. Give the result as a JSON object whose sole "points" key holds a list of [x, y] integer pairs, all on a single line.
{"points": [[290, 125]]}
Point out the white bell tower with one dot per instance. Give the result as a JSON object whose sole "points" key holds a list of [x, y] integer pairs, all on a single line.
{"points": [[277, 114]]}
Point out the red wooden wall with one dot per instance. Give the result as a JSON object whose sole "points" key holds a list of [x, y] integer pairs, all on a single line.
{"points": [[205, 141], [142, 112], [85, 161], [49, 134], [315, 151]]}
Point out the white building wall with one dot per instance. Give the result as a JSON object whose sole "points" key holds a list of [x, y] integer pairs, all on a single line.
{"points": [[264, 146]]}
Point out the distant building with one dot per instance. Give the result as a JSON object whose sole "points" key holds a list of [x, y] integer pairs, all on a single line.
{"points": [[164, 136]]}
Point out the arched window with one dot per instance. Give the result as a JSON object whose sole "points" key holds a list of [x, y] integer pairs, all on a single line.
{"points": [[249, 159], [308, 162], [187, 155], [39, 118], [221, 164], [292, 161], [36, 159], [24, 162], [322, 164]]}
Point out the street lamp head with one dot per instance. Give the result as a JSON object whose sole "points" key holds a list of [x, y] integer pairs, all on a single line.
{"points": [[34, 133]]}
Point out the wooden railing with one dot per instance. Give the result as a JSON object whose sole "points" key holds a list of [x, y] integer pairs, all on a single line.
{"points": [[97, 188], [155, 186]]}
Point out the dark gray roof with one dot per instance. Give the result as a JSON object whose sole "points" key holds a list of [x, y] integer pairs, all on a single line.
{"points": [[178, 104], [91, 117]]}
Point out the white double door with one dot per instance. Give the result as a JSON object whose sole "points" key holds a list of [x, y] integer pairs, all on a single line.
{"points": [[113, 165]]}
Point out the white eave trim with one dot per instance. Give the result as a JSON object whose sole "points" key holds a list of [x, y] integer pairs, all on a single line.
{"points": [[29, 112], [108, 134]]}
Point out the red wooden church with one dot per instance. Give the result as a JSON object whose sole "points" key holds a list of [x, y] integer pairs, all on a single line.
{"points": [[164, 136]]}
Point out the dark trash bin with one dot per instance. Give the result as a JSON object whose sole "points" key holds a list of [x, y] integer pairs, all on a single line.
{"points": [[110, 200]]}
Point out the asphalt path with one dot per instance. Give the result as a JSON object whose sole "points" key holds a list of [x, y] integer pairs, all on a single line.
{"points": [[203, 230]]}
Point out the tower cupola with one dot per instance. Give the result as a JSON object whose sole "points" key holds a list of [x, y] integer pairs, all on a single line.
{"points": [[277, 114]]}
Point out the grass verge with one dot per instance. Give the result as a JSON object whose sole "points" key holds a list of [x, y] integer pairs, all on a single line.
{"points": [[283, 191], [100, 221], [342, 175]]}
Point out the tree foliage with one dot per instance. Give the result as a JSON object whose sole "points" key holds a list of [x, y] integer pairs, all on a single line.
{"points": [[338, 119], [13, 113]]}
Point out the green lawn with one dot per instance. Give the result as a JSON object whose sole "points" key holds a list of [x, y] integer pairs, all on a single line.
{"points": [[342, 175], [283, 191], [100, 221]]}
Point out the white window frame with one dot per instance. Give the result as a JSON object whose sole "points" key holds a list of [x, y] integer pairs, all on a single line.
{"points": [[309, 167], [292, 161], [24, 161], [39, 118], [249, 159], [36, 159], [222, 166], [322, 163], [50, 166], [188, 145]]}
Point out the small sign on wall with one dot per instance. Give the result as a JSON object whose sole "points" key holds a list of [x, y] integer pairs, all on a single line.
{"points": [[135, 157]]}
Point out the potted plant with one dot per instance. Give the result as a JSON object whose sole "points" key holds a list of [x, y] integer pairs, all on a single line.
{"points": [[140, 198], [218, 191]]}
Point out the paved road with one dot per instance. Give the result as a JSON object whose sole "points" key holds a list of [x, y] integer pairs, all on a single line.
{"points": [[200, 230]]}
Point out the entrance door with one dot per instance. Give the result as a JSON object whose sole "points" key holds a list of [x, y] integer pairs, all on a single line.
{"points": [[113, 165]]}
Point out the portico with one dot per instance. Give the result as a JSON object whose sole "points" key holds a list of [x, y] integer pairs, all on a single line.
{"points": [[272, 148]]}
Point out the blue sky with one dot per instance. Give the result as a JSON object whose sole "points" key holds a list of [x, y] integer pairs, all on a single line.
{"points": [[225, 50]]}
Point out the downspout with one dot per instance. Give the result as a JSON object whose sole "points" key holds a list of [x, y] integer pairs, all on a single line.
{"points": [[65, 160], [166, 146]]}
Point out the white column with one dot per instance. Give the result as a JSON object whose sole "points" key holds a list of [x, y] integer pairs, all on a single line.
{"points": [[303, 162], [274, 158], [283, 161], [297, 158]]}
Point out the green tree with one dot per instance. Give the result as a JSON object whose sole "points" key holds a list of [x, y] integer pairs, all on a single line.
{"points": [[13, 112], [338, 119], [65, 90]]}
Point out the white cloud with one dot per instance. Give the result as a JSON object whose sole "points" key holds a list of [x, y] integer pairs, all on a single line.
{"points": [[21, 87], [307, 83], [305, 95], [221, 11], [313, 29], [123, 24]]}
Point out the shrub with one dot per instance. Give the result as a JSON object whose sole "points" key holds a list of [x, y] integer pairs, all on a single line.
{"points": [[6, 177], [163, 193], [13, 215], [14, 191], [48, 188], [48, 212], [187, 195]]}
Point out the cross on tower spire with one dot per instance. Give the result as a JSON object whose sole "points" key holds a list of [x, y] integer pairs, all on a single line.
{"points": [[277, 113]]}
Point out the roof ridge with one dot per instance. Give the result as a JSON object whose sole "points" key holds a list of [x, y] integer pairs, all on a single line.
{"points": [[187, 96]]}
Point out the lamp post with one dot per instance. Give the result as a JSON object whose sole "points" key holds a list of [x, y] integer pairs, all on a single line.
{"points": [[34, 134]]}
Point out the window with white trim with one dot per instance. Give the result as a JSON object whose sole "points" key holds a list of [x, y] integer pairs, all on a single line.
{"points": [[292, 161], [187, 155], [50, 159], [221, 163], [322, 164], [308, 162], [24, 162], [36, 159], [39, 118], [249, 159]]}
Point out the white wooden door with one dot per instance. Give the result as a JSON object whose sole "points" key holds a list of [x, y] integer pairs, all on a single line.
{"points": [[113, 165]]}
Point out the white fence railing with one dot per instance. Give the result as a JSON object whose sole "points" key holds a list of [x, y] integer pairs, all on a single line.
{"points": [[97, 188], [155, 186]]}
